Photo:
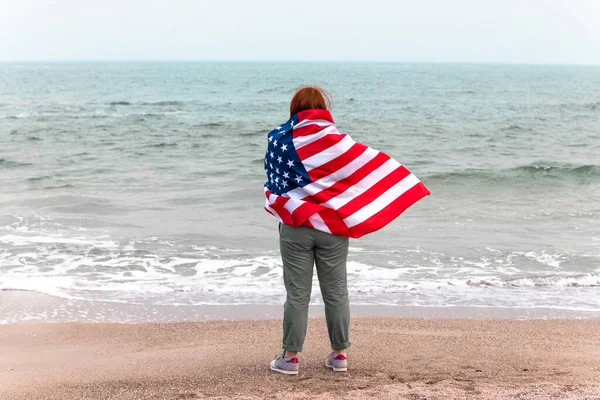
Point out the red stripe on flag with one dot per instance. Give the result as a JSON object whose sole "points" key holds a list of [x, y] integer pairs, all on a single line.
{"points": [[374, 192], [391, 212], [337, 163], [335, 224], [282, 200], [315, 114], [307, 130], [343, 185], [304, 212], [279, 207], [319, 145], [300, 214], [284, 214]]}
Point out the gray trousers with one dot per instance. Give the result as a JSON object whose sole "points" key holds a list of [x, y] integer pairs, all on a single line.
{"points": [[302, 248]]}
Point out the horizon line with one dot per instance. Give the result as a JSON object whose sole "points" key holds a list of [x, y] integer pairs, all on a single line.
{"points": [[66, 61]]}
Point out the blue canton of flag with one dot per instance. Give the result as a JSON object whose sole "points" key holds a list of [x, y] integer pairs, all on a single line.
{"points": [[283, 167]]}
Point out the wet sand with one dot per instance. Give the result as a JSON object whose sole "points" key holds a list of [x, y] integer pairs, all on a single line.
{"points": [[25, 306], [390, 358]]}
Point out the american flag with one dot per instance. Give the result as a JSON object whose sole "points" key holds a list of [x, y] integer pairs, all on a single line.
{"points": [[321, 178]]}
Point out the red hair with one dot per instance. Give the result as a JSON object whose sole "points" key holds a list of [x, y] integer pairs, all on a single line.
{"points": [[310, 98]]}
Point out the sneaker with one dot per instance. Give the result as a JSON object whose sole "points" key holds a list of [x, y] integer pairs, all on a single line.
{"points": [[337, 362], [283, 365]]}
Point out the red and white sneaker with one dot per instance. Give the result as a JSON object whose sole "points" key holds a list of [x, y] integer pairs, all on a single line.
{"points": [[337, 362], [283, 365]]}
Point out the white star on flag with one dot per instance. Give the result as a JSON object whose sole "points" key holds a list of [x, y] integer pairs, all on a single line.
{"points": [[279, 160], [286, 175], [298, 179], [290, 163], [284, 147]]}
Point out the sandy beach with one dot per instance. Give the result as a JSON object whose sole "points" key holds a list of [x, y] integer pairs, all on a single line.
{"points": [[390, 358]]}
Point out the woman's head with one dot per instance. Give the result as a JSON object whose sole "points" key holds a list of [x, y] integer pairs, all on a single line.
{"points": [[310, 98]]}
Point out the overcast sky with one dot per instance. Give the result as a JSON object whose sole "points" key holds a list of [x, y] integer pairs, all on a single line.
{"points": [[528, 31]]}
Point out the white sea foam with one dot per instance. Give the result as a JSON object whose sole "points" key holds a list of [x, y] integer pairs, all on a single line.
{"points": [[100, 268], [52, 285], [551, 260], [353, 249], [587, 280]]}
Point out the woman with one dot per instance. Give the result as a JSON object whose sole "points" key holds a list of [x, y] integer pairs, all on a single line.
{"points": [[325, 188]]}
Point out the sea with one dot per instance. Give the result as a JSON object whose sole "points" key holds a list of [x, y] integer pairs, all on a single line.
{"points": [[141, 183]]}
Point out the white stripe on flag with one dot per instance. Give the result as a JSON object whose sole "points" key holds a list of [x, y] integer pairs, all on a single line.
{"points": [[302, 141], [382, 201], [292, 205], [305, 122], [328, 181], [329, 154], [364, 185], [318, 223]]}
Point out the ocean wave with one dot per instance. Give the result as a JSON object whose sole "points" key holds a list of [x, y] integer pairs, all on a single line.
{"points": [[533, 173], [560, 169], [252, 133], [152, 104], [518, 128], [41, 240], [74, 264], [209, 125], [162, 145], [586, 280], [592, 106], [38, 178], [154, 114], [164, 103], [581, 107], [13, 164], [589, 106], [65, 186], [271, 90], [18, 116]]}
